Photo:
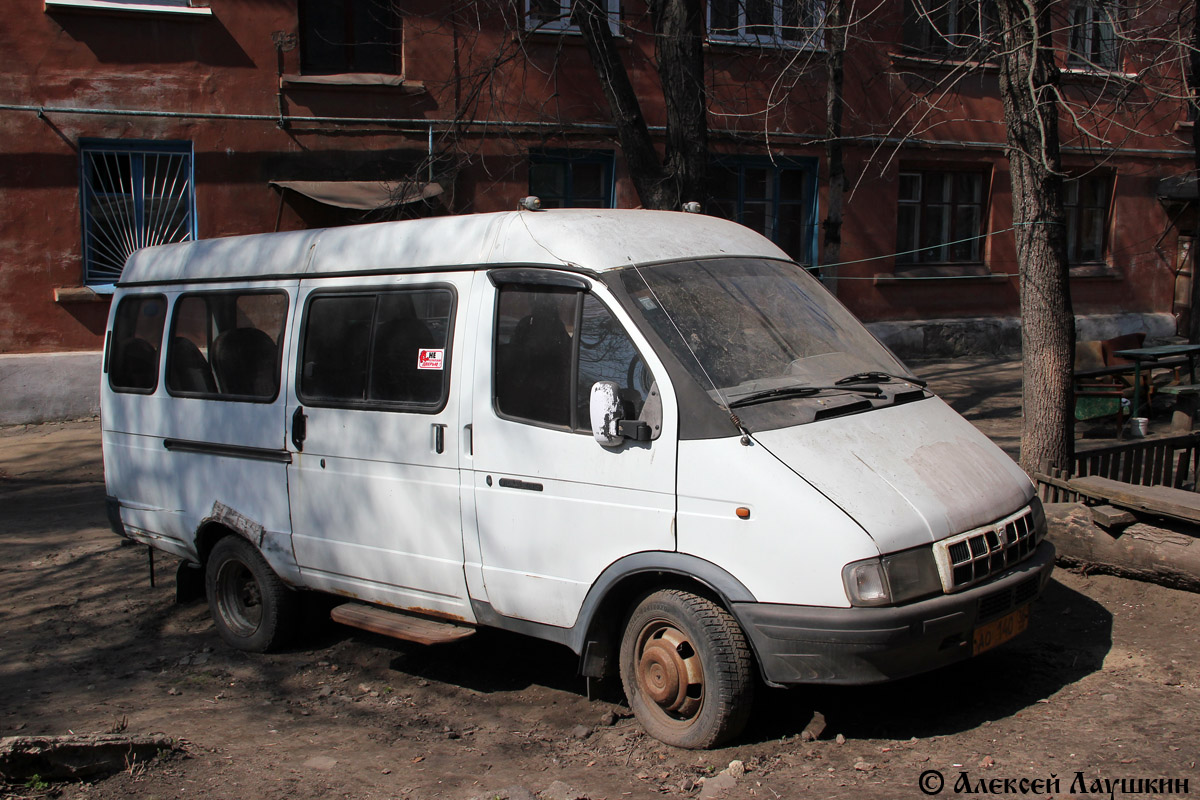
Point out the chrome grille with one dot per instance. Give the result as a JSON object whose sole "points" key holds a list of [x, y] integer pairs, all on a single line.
{"points": [[972, 557]]}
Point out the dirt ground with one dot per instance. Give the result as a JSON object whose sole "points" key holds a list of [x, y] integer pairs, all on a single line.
{"points": [[1105, 684]]}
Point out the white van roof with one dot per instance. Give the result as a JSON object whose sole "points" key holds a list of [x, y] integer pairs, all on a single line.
{"points": [[588, 239]]}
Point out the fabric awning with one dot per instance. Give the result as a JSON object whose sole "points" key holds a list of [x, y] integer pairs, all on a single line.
{"points": [[1178, 187], [362, 195]]}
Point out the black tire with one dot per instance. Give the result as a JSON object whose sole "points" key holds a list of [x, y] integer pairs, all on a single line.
{"points": [[252, 608], [686, 669]]}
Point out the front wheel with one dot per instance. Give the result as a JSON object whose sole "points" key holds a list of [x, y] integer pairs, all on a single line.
{"points": [[252, 608], [686, 669]]}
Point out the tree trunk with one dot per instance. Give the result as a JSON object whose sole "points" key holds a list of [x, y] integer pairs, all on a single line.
{"points": [[679, 45], [835, 43], [1028, 81], [1193, 331], [650, 179]]}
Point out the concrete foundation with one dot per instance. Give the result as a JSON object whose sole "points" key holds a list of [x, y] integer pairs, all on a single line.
{"points": [[1001, 336], [47, 387]]}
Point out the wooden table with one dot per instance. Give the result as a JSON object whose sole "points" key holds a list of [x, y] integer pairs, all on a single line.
{"points": [[1153, 355]]}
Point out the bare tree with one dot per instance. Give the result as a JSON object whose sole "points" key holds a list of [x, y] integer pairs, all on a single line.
{"points": [[1029, 78], [679, 39], [836, 22]]}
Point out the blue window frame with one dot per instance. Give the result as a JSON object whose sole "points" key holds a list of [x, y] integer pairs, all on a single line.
{"points": [[572, 178], [133, 194], [776, 197]]}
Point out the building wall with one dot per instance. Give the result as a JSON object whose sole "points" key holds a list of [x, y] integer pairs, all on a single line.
{"points": [[510, 94]]}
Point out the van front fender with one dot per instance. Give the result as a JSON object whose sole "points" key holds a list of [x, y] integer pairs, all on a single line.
{"points": [[624, 580], [611, 595]]}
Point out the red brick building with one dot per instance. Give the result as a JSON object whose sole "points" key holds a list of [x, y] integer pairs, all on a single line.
{"points": [[128, 123]]}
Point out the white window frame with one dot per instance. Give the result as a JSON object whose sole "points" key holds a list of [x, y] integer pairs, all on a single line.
{"points": [[813, 38], [955, 39], [176, 7], [1086, 19], [563, 24]]}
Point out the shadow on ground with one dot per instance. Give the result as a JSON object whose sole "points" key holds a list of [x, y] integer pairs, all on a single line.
{"points": [[995, 685]]}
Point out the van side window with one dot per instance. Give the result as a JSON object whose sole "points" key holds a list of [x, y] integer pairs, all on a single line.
{"points": [[225, 345], [385, 350], [551, 345], [534, 346], [136, 341]]}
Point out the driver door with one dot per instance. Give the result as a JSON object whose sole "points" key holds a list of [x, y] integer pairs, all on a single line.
{"points": [[553, 507]]}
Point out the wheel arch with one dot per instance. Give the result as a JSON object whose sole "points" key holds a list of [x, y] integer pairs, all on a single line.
{"points": [[207, 535], [596, 634]]}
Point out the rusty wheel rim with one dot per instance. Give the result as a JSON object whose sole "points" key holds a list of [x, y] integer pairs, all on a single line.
{"points": [[669, 672], [239, 598]]}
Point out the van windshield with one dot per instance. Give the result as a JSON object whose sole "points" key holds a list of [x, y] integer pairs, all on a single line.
{"points": [[744, 326]]}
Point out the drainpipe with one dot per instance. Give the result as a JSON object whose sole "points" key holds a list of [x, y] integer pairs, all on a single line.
{"points": [[284, 43]]}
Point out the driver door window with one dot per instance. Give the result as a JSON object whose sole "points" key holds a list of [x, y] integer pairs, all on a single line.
{"points": [[551, 345]]}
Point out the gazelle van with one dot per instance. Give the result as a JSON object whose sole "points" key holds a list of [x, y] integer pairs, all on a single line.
{"points": [[648, 436]]}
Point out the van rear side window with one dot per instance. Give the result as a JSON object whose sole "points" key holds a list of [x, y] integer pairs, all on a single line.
{"points": [[136, 342], [387, 350], [225, 345]]}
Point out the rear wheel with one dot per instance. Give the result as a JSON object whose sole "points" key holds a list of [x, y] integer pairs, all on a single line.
{"points": [[252, 608], [686, 669]]}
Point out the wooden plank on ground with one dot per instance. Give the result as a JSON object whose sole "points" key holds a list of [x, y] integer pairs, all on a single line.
{"points": [[1163, 500]]}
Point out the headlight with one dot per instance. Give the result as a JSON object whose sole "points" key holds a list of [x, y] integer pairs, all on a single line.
{"points": [[893, 579], [1039, 519], [866, 584]]}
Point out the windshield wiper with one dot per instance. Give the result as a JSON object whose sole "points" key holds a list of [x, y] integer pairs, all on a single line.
{"points": [[877, 377], [784, 392]]}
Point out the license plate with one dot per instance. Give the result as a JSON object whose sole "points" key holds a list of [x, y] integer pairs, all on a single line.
{"points": [[1001, 630]]}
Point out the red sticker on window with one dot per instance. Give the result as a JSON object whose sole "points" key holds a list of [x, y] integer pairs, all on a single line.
{"points": [[430, 359]]}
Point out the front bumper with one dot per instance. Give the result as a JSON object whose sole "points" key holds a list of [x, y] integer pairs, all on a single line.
{"points": [[808, 644]]}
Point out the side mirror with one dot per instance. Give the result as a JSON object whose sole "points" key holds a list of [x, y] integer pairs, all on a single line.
{"points": [[605, 413]]}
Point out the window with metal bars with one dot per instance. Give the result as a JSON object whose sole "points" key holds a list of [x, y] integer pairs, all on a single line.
{"points": [[133, 194]]}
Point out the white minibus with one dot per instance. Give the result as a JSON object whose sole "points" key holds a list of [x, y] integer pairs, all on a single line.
{"points": [[648, 436]]}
